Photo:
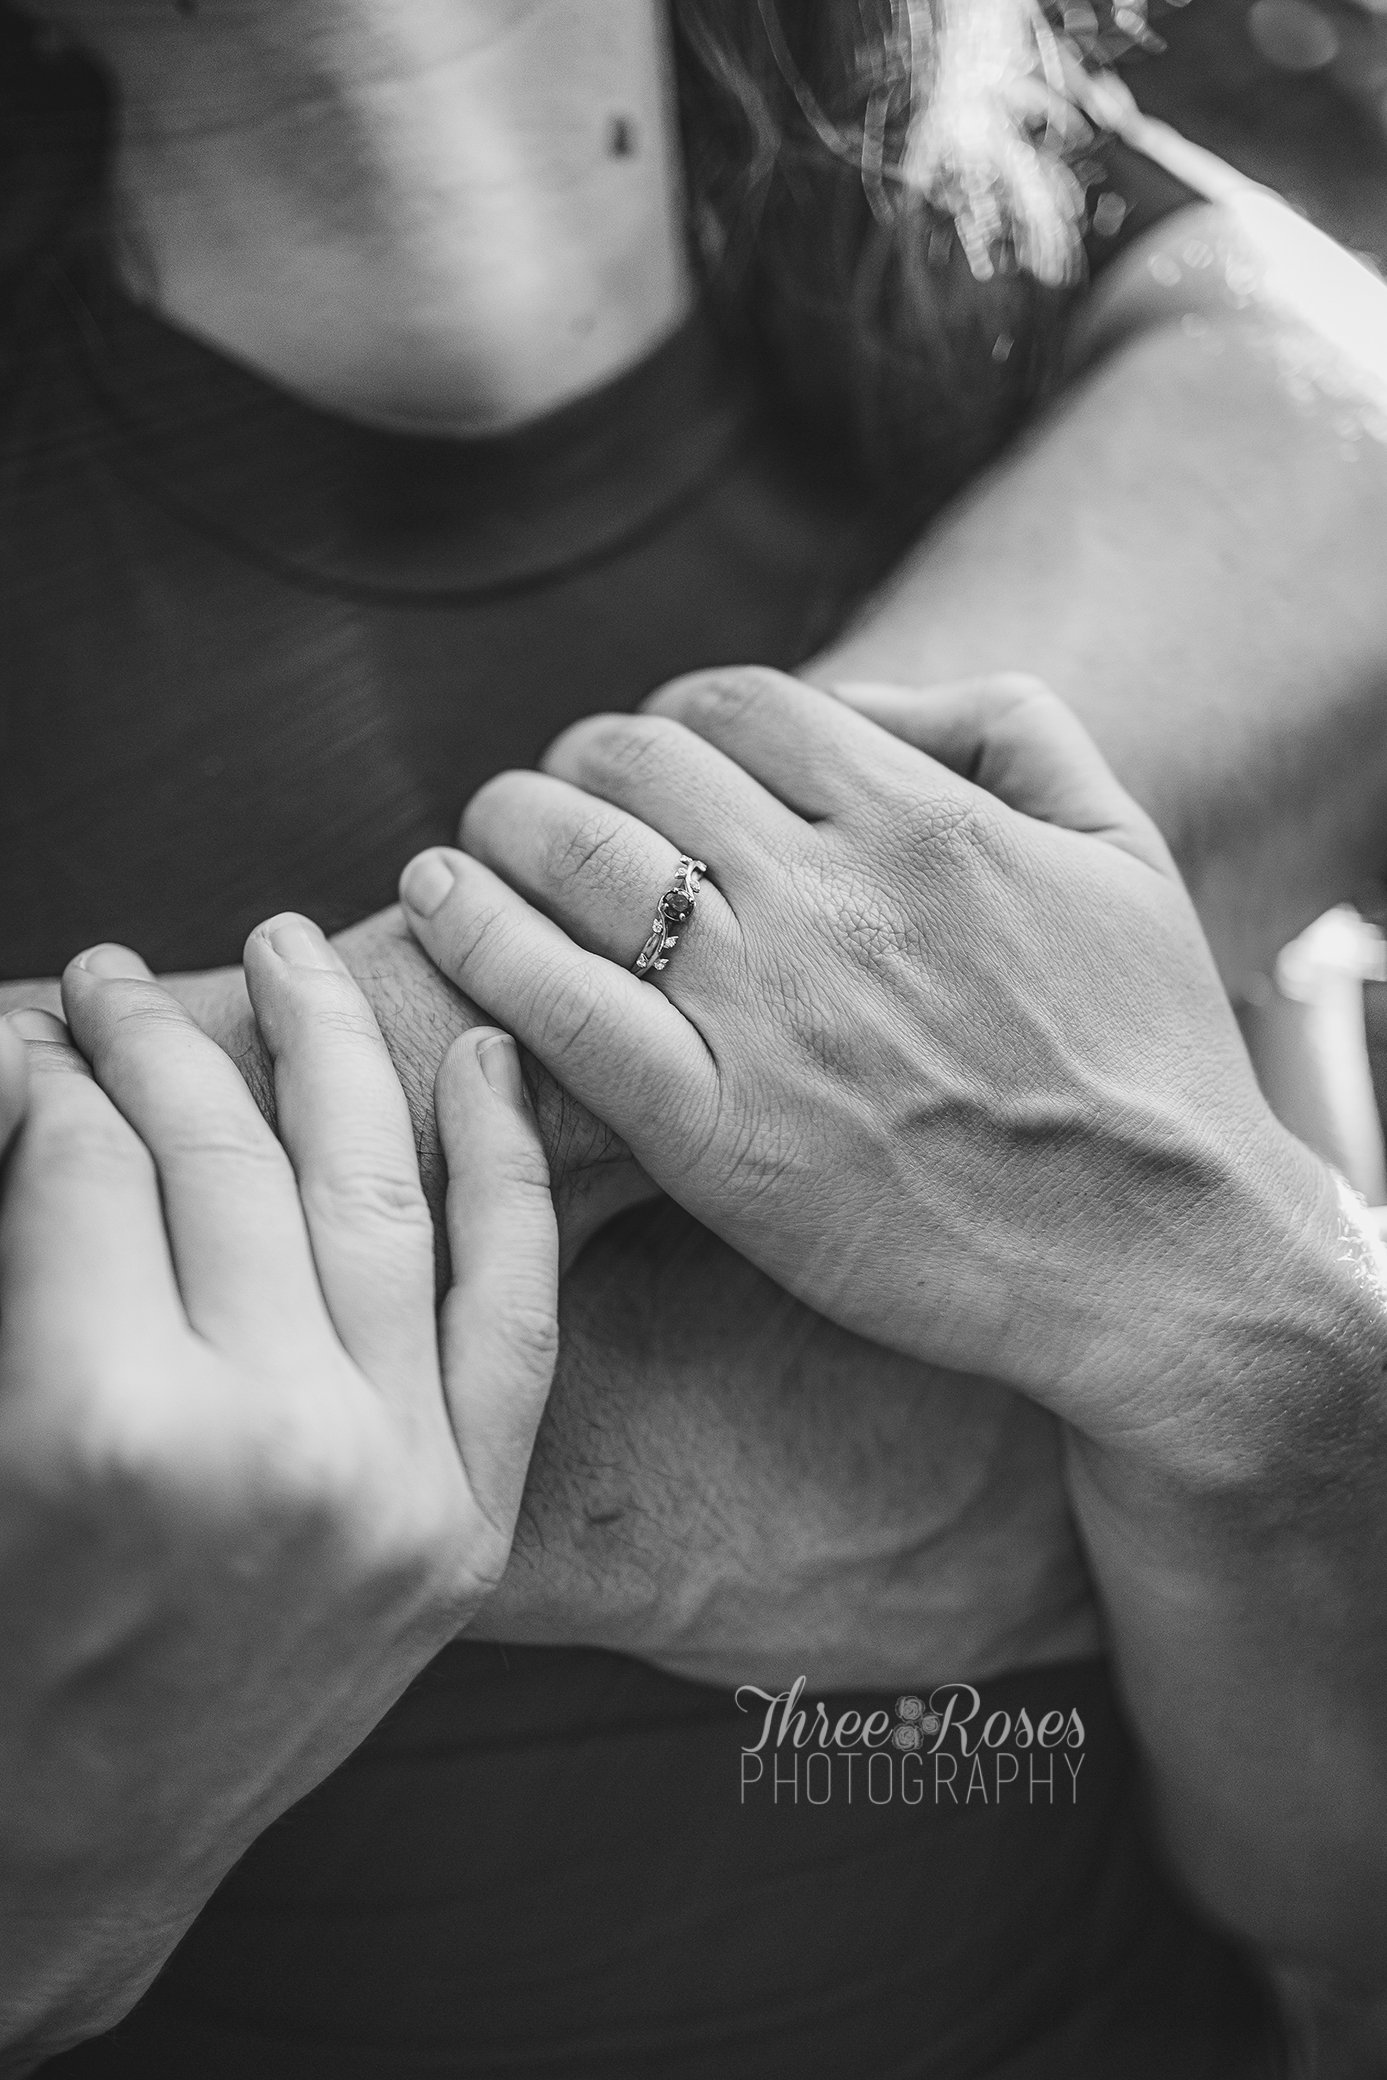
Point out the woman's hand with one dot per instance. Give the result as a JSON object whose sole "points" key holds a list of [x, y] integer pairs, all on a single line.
{"points": [[592, 1177], [943, 1048], [249, 1484]]}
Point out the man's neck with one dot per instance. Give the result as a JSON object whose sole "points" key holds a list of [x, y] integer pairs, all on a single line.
{"points": [[448, 215]]}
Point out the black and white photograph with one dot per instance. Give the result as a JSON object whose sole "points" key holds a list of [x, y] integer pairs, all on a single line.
{"points": [[693, 1039]]}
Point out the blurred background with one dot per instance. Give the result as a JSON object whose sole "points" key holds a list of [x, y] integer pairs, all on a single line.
{"points": [[1292, 92]]}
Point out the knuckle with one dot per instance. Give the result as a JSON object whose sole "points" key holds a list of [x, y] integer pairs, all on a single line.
{"points": [[1015, 689], [1049, 718], [135, 1016], [594, 849], [387, 1510], [121, 1460], [1024, 713], [476, 933], [937, 825], [133, 998], [226, 1140], [102, 1444], [331, 1002], [522, 1170], [377, 1196], [726, 694], [315, 1473], [559, 1021], [47, 1043], [75, 1135], [626, 750], [531, 1336], [303, 1467]]}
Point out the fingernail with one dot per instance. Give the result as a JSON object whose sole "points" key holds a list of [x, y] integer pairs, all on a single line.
{"points": [[498, 1058], [112, 963], [33, 1024], [300, 944], [425, 885]]}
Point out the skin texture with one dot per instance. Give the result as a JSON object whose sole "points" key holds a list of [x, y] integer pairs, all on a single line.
{"points": [[966, 1558], [260, 1481], [1248, 723], [886, 986], [1185, 548], [1048, 1159], [1253, 734], [446, 218], [1157, 550], [1165, 477], [853, 1512]]}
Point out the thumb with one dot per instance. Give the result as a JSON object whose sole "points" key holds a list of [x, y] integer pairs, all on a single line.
{"points": [[498, 1325], [1009, 734]]}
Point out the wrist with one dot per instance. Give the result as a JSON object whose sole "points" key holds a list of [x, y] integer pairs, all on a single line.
{"points": [[1254, 1360]]}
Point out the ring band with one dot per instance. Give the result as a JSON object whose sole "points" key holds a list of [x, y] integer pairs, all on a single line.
{"points": [[675, 908]]}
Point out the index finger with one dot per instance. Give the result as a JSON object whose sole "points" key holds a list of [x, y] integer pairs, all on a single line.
{"points": [[84, 1260], [620, 1046], [234, 1223], [346, 1125]]}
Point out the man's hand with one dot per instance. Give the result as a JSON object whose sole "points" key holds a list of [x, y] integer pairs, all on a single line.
{"points": [[727, 1485], [249, 1483], [723, 1482], [1155, 548], [947, 1050]]}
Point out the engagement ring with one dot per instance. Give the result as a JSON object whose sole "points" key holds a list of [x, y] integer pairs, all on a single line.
{"points": [[676, 907]]}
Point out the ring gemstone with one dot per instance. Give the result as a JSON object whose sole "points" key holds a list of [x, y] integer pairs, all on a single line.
{"points": [[675, 908]]}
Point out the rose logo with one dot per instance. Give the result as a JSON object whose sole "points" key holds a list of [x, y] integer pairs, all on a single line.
{"points": [[915, 1720]]}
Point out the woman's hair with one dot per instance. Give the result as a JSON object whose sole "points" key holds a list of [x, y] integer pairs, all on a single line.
{"points": [[888, 196], [883, 195]]}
